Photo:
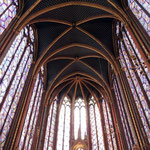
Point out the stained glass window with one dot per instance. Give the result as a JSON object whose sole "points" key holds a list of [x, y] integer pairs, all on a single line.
{"points": [[13, 73], [28, 130], [96, 126], [141, 9], [80, 119], [124, 117], [109, 127], [49, 136], [137, 75], [8, 10], [63, 135]]}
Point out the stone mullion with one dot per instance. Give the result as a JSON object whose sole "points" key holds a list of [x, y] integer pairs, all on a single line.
{"points": [[13, 76], [34, 113], [14, 127], [38, 123], [136, 55], [64, 127], [120, 126], [14, 97], [11, 60], [123, 112], [133, 110], [146, 12], [89, 127], [30, 113], [118, 137], [72, 125], [128, 108], [50, 122], [56, 127], [139, 31], [6, 9], [109, 124], [42, 128], [133, 82], [103, 127], [137, 77], [96, 127]]}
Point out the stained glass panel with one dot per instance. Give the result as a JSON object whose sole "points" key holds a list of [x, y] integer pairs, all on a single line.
{"points": [[124, 116], [49, 136], [141, 15], [109, 127], [8, 10], [63, 135], [80, 114], [32, 114], [137, 74], [13, 73], [96, 126]]}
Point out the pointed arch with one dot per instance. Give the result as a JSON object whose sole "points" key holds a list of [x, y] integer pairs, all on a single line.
{"points": [[14, 70]]}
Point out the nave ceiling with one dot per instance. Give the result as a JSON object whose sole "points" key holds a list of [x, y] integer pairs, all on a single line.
{"points": [[75, 44]]}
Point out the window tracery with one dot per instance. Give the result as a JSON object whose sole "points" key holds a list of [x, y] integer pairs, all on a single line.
{"points": [[49, 137], [63, 135], [8, 10], [141, 9], [124, 117], [137, 75], [109, 127], [13, 73], [96, 126], [28, 130], [80, 114]]}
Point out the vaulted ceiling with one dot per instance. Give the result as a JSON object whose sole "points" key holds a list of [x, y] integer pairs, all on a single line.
{"points": [[75, 43]]}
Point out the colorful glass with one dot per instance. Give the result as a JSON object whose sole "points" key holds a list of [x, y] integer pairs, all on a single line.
{"points": [[63, 135], [124, 117], [28, 130], [13, 73], [8, 10], [49, 136], [141, 9], [137, 75], [80, 114], [109, 127], [96, 126]]}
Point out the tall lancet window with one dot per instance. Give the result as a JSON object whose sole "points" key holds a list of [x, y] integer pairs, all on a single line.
{"points": [[137, 75], [49, 136], [28, 130], [124, 116], [13, 73], [141, 9], [63, 135], [96, 126], [109, 127], [8, 10], [80, 126]]}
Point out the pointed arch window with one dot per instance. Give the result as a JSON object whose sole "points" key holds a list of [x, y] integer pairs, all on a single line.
{"points": [[8, 10], [80, 119], [13, 73], [96, 126], [28, 130], [109, 127], [63, 135], [137, 75], [49, 137], [141, 9], [122, 111]]}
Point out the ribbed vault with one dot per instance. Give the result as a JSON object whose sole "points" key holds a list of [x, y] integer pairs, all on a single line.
{"points": [[75, 45]]}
